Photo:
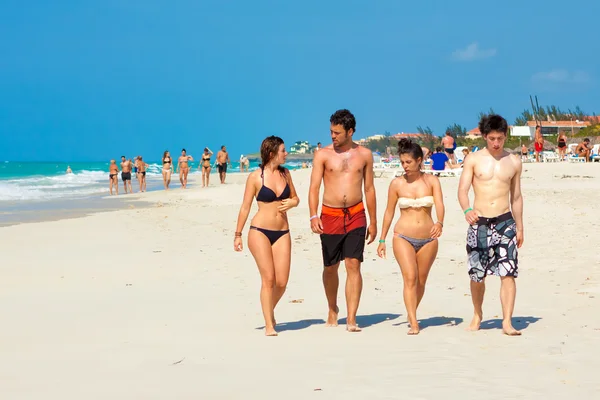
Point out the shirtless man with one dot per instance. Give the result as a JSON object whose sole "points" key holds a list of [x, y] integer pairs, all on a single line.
{"points": [[126, 174], [222, 161], [495, 221], [448, 144], [343, 166], [538, 144], [583, 149], [183, 167]]}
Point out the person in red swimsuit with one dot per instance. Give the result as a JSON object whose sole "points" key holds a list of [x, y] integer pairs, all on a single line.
{"points": [[539, 143]]}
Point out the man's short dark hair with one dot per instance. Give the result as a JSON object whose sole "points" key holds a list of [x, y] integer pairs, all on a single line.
{"points": [[122, 156], [492, 122], [586, 140], [183, 150], [345, 118], [318, 143], [222, 147], [438, 149]]}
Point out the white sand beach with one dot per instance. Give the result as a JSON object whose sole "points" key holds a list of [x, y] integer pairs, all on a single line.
{"points": [[153, 303]]}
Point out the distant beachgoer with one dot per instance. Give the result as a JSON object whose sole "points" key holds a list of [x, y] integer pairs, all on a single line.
{"points": [[449, 145], [183, 167], [269, 236], [167, 169], [135, 168], [495, 230], [415, 234], [318, 147], [562, 145], [583, 149], [465, 154], [69, 169], [244, 163], [524, 153], [426, 153], [440, 161], [113, 173], [141, 165], [343, 168], [126, 166], [222, 161], [206, 166], [538, 142]]}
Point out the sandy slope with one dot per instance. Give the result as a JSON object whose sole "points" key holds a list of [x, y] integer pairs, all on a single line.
{"points": [[153, 303]]}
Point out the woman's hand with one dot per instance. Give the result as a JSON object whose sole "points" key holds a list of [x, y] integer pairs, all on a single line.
{"points": [[286, 204], [381, 250], [436, 230], [237, 244]]}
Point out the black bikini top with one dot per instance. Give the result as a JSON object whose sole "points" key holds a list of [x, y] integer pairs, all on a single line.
{"points": [[165, 160], [267, 195]]}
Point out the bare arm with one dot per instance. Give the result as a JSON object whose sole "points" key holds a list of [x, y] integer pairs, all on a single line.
{"points": [[390, 209], [464, 184], [246, 204], [316, 176], [293, 195], [370, 189], [438, 199], [516, 199]]}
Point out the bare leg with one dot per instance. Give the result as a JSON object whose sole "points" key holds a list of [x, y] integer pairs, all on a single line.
{"points": [[282, 252], [259, 246], [354, 285], [168, 179], [116, 184], [407, 260], [508, 292], [110, 185], [331, 282], [477, 293], [207, 176], [425, 259]]}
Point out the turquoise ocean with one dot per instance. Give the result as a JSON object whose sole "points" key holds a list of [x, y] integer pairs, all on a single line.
{"points": [[40, 181]]}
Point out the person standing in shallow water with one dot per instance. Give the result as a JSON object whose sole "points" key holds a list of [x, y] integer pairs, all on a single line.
{"points": [[343, 167], [495, 230], [113, 173], [415, 234], [269, 235]]}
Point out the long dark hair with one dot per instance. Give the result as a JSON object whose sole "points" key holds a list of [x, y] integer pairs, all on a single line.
{"points": [[407, 146], [165, 154], [268, 149]]}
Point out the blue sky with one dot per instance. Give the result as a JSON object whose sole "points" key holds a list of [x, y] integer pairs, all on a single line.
{"points": [[91, 80]]}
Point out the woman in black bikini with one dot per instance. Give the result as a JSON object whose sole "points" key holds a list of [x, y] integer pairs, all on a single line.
{"points": [[113, 172], [415, 234], [167, 169], [562, 145], [205, 165], [269, 235]]}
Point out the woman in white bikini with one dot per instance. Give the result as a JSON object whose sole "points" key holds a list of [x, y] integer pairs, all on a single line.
{"points": [[415, 234], [167, 169]]}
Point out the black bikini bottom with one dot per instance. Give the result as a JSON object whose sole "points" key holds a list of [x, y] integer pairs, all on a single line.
{"points": [[273, 236]]}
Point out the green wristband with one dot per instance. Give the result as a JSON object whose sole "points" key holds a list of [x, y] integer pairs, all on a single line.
{"points": [[467, 210], [381, 241]]}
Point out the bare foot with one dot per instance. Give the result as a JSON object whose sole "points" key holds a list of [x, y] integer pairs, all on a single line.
{"points": [[508, 329], [475, 323], [270, 331], [353, 328], [413, 331], [332, 318]]}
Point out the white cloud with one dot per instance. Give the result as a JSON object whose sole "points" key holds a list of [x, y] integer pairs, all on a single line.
{"points": [[472, 52], [561, 76]]}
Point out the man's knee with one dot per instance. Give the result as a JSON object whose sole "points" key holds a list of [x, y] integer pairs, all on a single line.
{"points": [[352, 266]]}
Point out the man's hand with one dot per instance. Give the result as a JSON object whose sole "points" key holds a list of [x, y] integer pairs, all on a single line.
{"points": [[371, 233], [472, 217], [316, 225], [520, 238]]}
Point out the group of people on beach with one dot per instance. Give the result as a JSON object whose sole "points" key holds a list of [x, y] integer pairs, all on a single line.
{"points": [[582, 150], [345, 168], [139, 168]]}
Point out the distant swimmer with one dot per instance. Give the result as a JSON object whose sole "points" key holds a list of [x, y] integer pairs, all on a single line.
{"points": [[141, 166], [222, 161], [205, 166], [126, 166], [113, 172], [69, 169], [495, 231], [343, 168], [183, 167], [167, 169], [269, 235]]}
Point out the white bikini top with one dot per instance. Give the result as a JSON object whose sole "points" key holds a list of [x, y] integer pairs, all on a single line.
{"points": [[406, 202]]}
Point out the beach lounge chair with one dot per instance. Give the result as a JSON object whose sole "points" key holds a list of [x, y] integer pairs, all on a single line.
{"points": [[550, 156], [595, 156]]}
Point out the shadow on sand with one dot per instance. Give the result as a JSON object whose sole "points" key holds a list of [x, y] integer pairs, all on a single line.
{"points": [[519, 323], [435, 321], [363, 321]]}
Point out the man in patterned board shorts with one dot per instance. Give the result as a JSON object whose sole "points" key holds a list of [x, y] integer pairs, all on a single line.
{"points": [[496, 219]]}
